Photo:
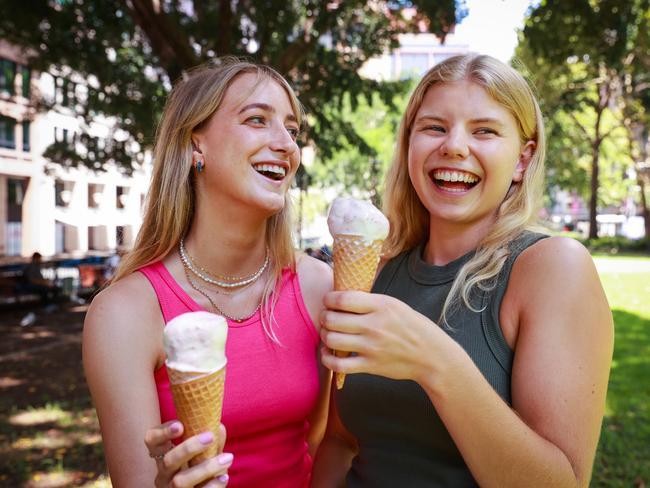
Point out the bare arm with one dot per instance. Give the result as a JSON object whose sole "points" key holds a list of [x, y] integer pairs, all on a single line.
{"points": [[335, 453], [559, 379], [316, 280], [121, 349]]}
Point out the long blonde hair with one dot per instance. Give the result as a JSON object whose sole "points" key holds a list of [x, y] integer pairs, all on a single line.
{"points": [[409, 219], [171, 199]]}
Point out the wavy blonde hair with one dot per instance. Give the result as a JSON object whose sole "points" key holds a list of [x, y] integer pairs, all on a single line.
{"points": [[409, 219], [171, 199]]}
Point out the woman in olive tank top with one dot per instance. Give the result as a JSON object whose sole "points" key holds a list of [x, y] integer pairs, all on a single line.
{"points": [[482, 356]]}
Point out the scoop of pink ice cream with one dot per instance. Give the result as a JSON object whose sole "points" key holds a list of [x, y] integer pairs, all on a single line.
{"points": [[349, 216]]}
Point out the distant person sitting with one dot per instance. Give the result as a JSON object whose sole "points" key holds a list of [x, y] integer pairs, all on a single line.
{"points": [[111, 264], [34, 282]]}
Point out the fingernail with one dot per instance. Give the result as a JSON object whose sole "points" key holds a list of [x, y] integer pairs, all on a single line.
{"points": [[175, 428], [206, 437], [225, 458], [223, 478]]}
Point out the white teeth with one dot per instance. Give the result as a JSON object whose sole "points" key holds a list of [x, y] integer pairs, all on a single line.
{"points": [[453, 176], [270, 168]]}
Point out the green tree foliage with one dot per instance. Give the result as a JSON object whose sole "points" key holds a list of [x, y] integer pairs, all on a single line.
{"points": [[132, 51], [583, 53], [362, 170]]}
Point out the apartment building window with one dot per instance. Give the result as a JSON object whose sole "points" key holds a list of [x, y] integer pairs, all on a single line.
{"points": [[13, 226], [26, 81], [7, 76], [64, 135], [122, 194], [63, 193], [7, 132], [26, 126], [15, 196], [95, 195], [413, 64], [65, 92]]}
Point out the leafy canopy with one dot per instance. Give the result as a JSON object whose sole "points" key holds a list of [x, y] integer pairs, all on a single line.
{"points": [[131, 52]]}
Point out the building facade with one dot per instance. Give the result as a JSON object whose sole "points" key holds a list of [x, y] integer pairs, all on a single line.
{"points": [[45, 207], [415, 55]]}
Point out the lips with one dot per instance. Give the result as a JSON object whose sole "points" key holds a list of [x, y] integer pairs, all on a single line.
{"points": [[454, 180], [273, 171]]}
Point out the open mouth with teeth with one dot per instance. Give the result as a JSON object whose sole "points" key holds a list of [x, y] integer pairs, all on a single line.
{"points": [[271, 171], [453, 181]]}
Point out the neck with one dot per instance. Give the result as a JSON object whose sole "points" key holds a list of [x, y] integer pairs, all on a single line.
{"points": [[232, 245], [449, 241]]}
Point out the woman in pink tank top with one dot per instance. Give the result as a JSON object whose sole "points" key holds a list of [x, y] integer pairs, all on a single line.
{"points": [[216, 236]]}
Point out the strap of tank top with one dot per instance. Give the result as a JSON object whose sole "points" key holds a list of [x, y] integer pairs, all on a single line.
{"points": [[387, 273], [492, 301]]}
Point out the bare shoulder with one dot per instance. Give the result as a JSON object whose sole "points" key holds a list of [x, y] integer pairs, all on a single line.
{"points": [[130, 297], [553, 258], [316, 280], [315, 275], [127, 308]]}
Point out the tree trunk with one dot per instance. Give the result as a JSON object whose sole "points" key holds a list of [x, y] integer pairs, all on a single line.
{"points": [[603, 99], [644, 209], [593, 201]]}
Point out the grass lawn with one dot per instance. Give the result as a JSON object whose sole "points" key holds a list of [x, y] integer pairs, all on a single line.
{"points": [[49, 435], [623, 458]]}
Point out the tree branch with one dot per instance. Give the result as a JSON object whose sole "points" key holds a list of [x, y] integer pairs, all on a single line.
{"points": [[580, 126], [224, 30], [169, 45], [298, 50]]}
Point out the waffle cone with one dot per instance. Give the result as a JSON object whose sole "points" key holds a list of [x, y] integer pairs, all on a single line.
{"points": [[198, 398], [355, 266]]}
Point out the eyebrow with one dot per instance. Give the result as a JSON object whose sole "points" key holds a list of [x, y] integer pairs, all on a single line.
{"points": [[481, 120], [266, 107]]}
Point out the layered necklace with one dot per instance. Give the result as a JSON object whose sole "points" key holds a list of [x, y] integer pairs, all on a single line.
{"points": [[191, 267], [231, 281]]}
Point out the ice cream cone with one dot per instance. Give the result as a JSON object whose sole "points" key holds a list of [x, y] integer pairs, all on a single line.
{"points": [[355, 266], [198, 398]]}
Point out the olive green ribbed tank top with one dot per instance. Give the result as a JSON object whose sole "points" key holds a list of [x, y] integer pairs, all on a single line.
{"points": [[402, 441]]}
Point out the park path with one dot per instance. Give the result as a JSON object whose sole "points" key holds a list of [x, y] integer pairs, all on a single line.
{"points": [[616, 265]]}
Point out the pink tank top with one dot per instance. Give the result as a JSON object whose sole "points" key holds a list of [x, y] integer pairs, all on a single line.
{"points": [[270, 388]]}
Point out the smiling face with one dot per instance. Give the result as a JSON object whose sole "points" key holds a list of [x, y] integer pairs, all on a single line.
{"points": [[249, 146], [464, 152]]}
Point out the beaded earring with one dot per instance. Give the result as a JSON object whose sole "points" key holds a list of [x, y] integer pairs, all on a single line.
{"points": [[199, 166]]}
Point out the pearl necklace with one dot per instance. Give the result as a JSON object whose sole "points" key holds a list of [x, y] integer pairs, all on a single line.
{"points": [[188, 264], [215, 307]]}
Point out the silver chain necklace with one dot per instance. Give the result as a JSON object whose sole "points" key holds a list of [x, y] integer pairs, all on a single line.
{"points": [[215, 307], [187, 263]]}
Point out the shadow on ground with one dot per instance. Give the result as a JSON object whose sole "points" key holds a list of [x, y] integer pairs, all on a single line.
{"points": [[623, 451], [49, 435]]}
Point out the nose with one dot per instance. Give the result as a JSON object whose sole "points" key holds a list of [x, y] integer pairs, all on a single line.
{"points": [[282, 141], [455, 145]]}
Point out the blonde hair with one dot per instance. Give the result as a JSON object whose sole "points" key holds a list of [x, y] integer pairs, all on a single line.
{"points": [[409, 219], [171, 199]]}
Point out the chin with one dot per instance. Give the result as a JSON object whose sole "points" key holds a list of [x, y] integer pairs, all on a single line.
{"points": [[273, 206]]}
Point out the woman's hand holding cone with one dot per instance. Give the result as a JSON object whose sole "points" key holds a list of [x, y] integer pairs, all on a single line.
{"points": [[172, 461], [388, 337]]}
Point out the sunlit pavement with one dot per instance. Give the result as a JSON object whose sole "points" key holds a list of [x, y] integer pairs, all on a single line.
{"points": [[617, 265]]}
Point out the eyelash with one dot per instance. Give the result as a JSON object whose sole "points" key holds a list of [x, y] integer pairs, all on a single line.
{"points": [[486, 130], [481, 131], [260, 120], [256, 119]]}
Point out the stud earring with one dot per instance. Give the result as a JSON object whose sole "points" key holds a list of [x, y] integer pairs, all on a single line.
{"points": [[199, 166]]}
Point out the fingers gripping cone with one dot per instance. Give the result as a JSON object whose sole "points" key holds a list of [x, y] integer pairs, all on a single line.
{"points": [[198, 398], [196, 365], [355, 265]]}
